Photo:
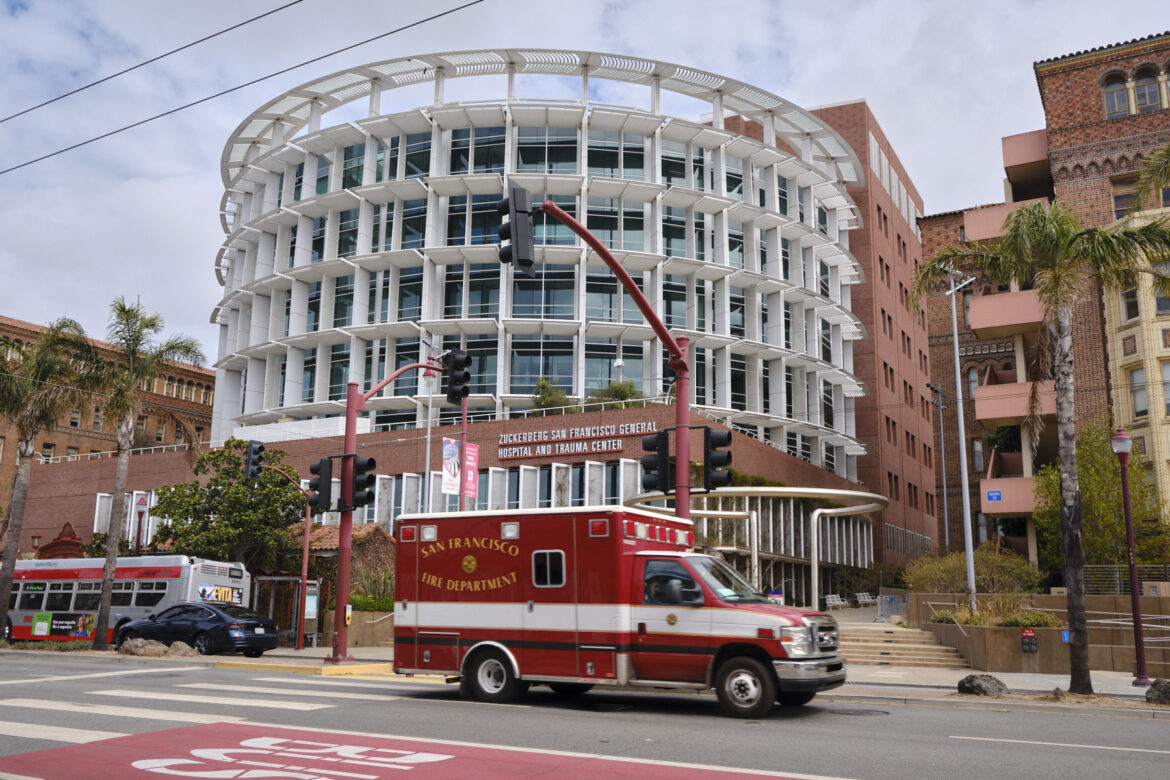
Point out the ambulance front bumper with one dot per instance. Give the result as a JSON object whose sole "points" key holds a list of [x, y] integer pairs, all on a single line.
{"points": [[812, 675]]}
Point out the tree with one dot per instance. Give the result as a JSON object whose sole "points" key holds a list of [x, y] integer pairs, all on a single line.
{"points": [[996, 571], [1044, 247], [223, 516], [1103, 511], [549, 398], [613, 396], [1152, 179], [137, 362], [39, 382]]}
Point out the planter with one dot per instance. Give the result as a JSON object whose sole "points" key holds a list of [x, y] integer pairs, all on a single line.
{"points": [[996, 649], [366, 629]]}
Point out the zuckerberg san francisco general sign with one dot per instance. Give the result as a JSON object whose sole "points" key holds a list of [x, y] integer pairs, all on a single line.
{"points": [[581, 440]]}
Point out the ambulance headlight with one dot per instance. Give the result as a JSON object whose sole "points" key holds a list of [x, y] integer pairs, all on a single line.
{"points": [[797, 641]]}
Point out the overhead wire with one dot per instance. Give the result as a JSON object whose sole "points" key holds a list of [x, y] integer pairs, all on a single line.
{"points": [[146, 62], [237, 88]]}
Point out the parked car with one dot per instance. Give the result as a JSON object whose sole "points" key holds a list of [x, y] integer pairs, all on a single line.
{"points": [[208, 626]]}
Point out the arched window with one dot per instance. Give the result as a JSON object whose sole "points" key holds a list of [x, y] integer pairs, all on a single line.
{"points": [[972, 380], [1145, 93], [1116, 104]]}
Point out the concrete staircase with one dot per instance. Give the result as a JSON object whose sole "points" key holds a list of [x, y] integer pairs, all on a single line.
{"points": [[880, 644]]}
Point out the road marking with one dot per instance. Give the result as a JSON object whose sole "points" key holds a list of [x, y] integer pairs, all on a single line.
{"points": [[1064, 744], [170, 696], [54, 733], [287, 692], [334, 682], [27, 680], [118, 712]]}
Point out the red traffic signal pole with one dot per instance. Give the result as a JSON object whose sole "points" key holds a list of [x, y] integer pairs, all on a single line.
{"points": [[355, 401], [678, 359]]}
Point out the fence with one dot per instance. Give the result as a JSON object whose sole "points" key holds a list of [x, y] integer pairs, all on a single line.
{"points": [[1106, 580]]}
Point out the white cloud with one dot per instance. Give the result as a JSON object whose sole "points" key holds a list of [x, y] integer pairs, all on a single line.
{"points": [[137, 214]]}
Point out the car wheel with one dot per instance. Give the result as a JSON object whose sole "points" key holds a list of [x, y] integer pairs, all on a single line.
{"points": [[253, 653], [203, 645], [794, 698], [569, 689], [492, 678], [7, 631], [745, 688], [126, 636]]}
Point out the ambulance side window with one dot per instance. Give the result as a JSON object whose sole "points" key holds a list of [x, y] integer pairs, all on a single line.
{"points": [[658, 573], [548, 568]]}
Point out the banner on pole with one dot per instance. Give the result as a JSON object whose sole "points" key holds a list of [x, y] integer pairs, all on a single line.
{"points": [[450, 467], [471, 471]]}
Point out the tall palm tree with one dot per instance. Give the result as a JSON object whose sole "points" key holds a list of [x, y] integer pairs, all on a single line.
{"points": [[138, 360], [39, 382], [1152, 179], [1043, 247]]}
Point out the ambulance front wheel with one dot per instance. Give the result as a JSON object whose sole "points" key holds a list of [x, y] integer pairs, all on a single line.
{"points": [[492, 679], [745, 688]]}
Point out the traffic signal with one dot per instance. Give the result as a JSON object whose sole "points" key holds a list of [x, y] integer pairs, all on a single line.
{"points": [[253, 459], [321, 485], [458, 376], [715, 458], [363, 481], [517, 231], [656, 463]]}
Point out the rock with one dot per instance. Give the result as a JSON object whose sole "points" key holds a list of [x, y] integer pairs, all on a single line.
{"points": [[182, 649], [1159, 691], [144, 647], [982, 685]]}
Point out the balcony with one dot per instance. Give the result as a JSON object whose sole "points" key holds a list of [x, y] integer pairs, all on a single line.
{"points": [[1006, 492], [1006, 314], [1002, 401], [986, 222]]}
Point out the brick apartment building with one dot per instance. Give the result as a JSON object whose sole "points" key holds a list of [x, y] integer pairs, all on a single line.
{"points": [[82, 434], [1105, 110]]}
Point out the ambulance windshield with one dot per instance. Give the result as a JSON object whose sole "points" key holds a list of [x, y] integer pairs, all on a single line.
{"points": [[724, 580]]}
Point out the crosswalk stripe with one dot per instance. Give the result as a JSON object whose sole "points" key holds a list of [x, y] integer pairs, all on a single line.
{"points": [[53, 733], [288, 691], [64, 677], [170, 696], [334, 682], [88, 708]]}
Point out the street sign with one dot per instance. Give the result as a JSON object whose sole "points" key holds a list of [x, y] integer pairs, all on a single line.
{"points": [[471, 470], [994, 495]]}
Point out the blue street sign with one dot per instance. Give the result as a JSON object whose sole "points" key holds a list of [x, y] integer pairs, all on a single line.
{"points": [[1064, 636], [994, 495]]}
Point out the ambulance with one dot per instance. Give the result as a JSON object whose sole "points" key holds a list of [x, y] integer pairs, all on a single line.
{"points": [[597, 596]]}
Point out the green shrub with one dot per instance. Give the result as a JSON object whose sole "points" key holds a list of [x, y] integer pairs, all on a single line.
{"points": [[362, 603], [1016, 618], [996, 571], [1030, 618]]}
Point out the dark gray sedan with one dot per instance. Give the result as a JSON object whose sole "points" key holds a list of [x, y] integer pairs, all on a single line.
{"points": [[208, 626]]}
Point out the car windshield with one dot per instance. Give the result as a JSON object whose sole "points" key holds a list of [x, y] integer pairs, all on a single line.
{"points": [[725, 581], [231, 610]]}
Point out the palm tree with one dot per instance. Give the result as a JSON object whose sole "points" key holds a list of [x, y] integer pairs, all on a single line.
{"points": [[1153, 178], [138, 361], [1043, 247], [39, 382]]}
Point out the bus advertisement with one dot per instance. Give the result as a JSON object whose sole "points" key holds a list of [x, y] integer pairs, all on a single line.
{"points": [[58, 599]]}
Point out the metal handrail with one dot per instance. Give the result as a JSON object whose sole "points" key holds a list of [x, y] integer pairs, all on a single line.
{"points": [[934, 612]]}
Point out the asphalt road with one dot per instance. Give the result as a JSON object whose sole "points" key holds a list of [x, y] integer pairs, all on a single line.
{"points": [[51, 701]]}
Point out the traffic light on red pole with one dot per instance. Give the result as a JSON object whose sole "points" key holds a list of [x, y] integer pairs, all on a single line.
{"points": [[517, 231], [363, 481], [716, 458], [656, 463], [253, 459], [321, 485], [458, 376]]}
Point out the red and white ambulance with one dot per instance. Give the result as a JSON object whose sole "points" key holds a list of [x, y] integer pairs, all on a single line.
{"points": [[573, 598]]}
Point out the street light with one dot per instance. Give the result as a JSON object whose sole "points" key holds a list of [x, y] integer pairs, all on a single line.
{"points": [[962, 443], [1122, 444], [942, 443]]}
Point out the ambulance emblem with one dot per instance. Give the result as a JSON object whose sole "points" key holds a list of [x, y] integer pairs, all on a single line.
{"points": [[469, 563], [671, 619]]}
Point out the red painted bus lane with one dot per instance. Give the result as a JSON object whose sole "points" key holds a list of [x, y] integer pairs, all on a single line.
{"points": [[239, 751]]}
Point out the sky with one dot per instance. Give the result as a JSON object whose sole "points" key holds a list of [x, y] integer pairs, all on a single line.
{"points": [[137, 214]]}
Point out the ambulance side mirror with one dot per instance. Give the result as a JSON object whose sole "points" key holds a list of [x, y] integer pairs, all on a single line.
{"points": [[677, 594]]}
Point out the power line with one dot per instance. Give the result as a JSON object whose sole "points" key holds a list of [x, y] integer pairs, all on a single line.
{"points": [[147, 62], [239, 87]]}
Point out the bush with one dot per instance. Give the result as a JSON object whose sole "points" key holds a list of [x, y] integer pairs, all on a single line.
{"points": [[1015, 617], [361, 603], [1031, 618], [47, 645], [996, 571]]}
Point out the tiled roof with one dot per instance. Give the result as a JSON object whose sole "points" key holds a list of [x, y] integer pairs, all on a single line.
{"points": [[325, 537], [1155, 36]]}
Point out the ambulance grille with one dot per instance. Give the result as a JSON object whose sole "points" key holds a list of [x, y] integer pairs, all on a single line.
{"points": [[828, 638]]}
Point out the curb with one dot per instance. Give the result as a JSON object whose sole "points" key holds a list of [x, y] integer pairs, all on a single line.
{"points": [[321, 670]]}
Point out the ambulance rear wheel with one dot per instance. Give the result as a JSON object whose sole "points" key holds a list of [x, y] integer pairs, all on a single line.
{"points": [[745, 688], [569, 689], [492, 678]]}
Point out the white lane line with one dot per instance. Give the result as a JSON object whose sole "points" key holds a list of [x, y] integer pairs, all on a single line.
{"points": [[1064, 745], [334, 682], [34, 680], [288, 692], [54, 733], [118, 712], [170, 696]]}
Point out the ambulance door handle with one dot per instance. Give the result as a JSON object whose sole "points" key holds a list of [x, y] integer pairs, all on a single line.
{"points": [[641, 629]]}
